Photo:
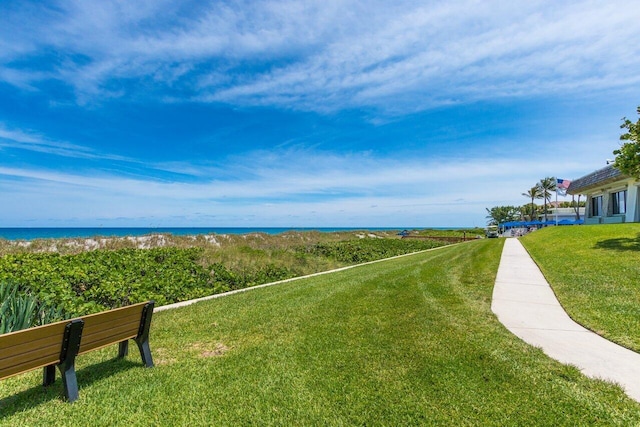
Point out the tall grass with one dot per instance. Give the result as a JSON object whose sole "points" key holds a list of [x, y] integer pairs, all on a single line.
{"points": [[241, 254], [95, 280], [409, 341], [213, 242]]}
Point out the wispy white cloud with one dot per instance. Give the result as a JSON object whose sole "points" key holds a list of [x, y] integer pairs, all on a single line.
{"points": [[329, 55], [456, 53], [28, 140], [331, 187]]}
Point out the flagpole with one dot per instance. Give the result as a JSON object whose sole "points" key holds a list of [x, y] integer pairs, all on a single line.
{"points": [[556, 205], [564, 185]]}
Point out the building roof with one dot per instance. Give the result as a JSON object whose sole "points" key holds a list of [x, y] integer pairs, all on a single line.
{"points": [[595, 179]]}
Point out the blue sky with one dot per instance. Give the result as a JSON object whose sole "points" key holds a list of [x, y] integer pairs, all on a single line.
{"points": [[304, 113]]}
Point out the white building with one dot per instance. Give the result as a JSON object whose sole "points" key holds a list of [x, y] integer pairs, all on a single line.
{"points": [[612, 197], [564, 214]]}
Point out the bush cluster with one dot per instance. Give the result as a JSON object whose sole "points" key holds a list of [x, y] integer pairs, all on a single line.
{"points": [[102, 279], [365, 250]]}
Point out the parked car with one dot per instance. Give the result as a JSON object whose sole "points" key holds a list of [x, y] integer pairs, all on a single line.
{"points": [[491, 231]]}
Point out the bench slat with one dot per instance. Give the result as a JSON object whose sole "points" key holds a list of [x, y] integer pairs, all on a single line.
{"points": [[26, 362], [30, 348], [109, 327], [116, 313], [32, 334], [92, 327], [110, 336]]}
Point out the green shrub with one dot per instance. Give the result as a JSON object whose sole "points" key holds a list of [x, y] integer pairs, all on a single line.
{"points": [[92, 281], [369, 249], [22, 310], [98, 280]]}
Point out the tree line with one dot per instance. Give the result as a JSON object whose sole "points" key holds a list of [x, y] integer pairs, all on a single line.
{"points": [[627, 160], [542, 190]]}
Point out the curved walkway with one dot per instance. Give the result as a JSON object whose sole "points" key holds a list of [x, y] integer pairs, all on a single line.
{"points": [[526, 305]]}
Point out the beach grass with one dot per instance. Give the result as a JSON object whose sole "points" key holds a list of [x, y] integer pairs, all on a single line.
{"points": [[240, 253], [595, 272], [407, 341]]}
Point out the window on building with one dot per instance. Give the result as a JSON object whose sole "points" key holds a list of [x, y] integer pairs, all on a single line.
{"points": [[596, 206], [619, 202]]}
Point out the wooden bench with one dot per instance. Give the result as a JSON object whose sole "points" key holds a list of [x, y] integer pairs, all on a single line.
{"points": [[58, 344]]}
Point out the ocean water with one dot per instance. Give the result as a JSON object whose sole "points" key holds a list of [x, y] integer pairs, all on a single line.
{"points": [[80, 232]]}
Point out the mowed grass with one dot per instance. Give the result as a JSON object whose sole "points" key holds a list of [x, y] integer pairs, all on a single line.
{"points": [[408, 341], [595, 272]]}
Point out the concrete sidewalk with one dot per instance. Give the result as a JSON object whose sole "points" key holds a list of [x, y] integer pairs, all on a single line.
{"points": [[526, 305]]}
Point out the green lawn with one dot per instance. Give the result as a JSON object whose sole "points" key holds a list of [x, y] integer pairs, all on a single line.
{"points": [[595, 272], [409, 341]]}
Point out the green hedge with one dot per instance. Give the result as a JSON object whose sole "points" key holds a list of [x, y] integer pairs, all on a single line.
{"points": [[97, 280], [370, 249], [103, 279]]}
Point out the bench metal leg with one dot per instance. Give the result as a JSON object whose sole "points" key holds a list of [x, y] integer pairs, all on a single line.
{"points": [[69, 382], [123, 348], [145, 353], [70, 347], [143, 335], [143, 346], [48, 375]]}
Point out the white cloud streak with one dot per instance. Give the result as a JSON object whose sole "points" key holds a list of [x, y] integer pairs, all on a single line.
{"points": [[350, 190], [330, 55], [34, 142]]}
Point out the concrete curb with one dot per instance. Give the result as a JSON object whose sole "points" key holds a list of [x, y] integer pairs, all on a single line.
{"points": [[280, 282]]}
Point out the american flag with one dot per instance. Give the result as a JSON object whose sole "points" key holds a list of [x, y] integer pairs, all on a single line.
{"points": [[562, 185]]}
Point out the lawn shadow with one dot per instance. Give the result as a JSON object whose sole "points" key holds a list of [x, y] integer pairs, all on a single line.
{"points": [[38, 395], [620, 244]]}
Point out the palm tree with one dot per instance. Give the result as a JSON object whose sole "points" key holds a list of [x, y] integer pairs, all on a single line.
{"points": [[576, 206], [534, 193], [547, 185]]}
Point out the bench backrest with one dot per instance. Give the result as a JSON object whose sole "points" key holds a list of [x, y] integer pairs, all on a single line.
{"points": [[33, 348], [109, 327]]}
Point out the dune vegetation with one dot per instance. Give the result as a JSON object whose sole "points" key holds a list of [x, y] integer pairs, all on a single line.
{"points": [[80, 278]]}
